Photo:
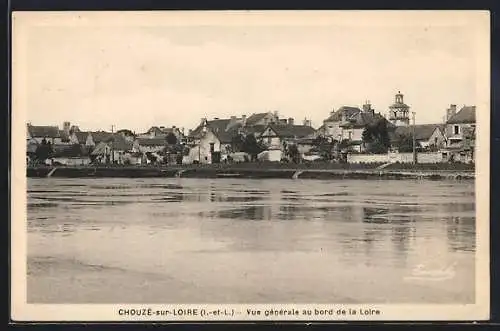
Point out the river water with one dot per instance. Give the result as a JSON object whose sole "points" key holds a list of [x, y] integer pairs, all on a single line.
{"points": [[184, 240]]}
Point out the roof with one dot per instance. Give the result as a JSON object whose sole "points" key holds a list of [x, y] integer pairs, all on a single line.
{"points": [[337, 115], [101, 136], [45, 131], [81, 136], [221, 128], [255, 129], [119, 143], [362, 119], [422, 131], [152, 141], [295, 131], [398, 105], [466, 115], [255, 118], [74, 150], [31, 147], [100, 149]]}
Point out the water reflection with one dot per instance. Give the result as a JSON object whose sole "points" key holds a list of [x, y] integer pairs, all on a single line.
{"points": [[341, 224]]}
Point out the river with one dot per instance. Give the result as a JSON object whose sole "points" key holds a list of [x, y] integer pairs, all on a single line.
{"points": [[184, 240]]}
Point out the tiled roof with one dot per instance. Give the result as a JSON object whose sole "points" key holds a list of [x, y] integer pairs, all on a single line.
{"points": [[292, 131], [422, 131], [337, 115], [255, 118], [45, 131], [466, 115]]}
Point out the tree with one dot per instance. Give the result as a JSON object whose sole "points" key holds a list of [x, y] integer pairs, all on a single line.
{"points": [[404, 143], [126, 132], [251, 146], [44, 150], [237, 142], [376, 137], [171, 139], [324, 146], [293, 153]]}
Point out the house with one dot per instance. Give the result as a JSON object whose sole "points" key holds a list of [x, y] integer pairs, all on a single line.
{"points": [[353, 123], [70, 155], [331, 125], [261, 119], [427, 136], [213, 139], [276, 136], [455, 125], [460, 134], [82, 138], [38, 133], [163, 132], [151, 145], [112, 149]]}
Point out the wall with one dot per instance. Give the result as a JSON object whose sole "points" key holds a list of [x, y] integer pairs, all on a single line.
{"points": [[272, 155], [270, 139], [441, 140], [428, 157], [332, 129], [355, 134], [72, 161]]}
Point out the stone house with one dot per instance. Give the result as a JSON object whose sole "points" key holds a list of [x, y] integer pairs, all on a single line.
{"points": [[460, 134], [427, 136]]}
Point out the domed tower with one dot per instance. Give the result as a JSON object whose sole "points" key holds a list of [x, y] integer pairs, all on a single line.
{"points": [[399, 112]]}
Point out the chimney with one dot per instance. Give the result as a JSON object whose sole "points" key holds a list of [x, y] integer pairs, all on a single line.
{"points": [[451, 111], [190, 131], [276, 116], [307, 122], [244, 120], [290, 121], [333, 111], [202, 121]]}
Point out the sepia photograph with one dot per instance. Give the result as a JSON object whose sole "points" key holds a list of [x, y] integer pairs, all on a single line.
{"points": [[241, 165]]}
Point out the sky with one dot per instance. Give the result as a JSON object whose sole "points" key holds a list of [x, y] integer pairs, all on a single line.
{"points": [[134, 76]]}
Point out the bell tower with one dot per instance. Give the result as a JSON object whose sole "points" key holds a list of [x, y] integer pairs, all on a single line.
{"points": [[399, 112]]}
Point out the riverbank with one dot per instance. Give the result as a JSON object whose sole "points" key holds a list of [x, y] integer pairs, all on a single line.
{"points": [[256, 171]]}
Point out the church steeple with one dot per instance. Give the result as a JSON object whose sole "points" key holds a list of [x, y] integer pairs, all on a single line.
{"points": [[399, 112]]}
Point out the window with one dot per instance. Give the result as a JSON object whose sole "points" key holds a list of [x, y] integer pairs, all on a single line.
{"points": [[435, 141], [269, 139], [456, 129]]}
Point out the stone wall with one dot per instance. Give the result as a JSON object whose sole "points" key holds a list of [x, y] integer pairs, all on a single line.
{"points": [[427, 157]]}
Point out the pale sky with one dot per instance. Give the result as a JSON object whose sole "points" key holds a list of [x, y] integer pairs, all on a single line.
{"points": [[136, 76]]}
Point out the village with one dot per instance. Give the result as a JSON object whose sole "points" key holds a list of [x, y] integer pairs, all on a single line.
{"points": [[348, 134]]}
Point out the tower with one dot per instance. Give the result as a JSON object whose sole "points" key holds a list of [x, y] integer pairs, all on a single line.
{"points": [[399, 112], [66, 127]]}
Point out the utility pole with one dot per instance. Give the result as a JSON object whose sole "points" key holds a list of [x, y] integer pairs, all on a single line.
{"points": [[414, 142]]}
